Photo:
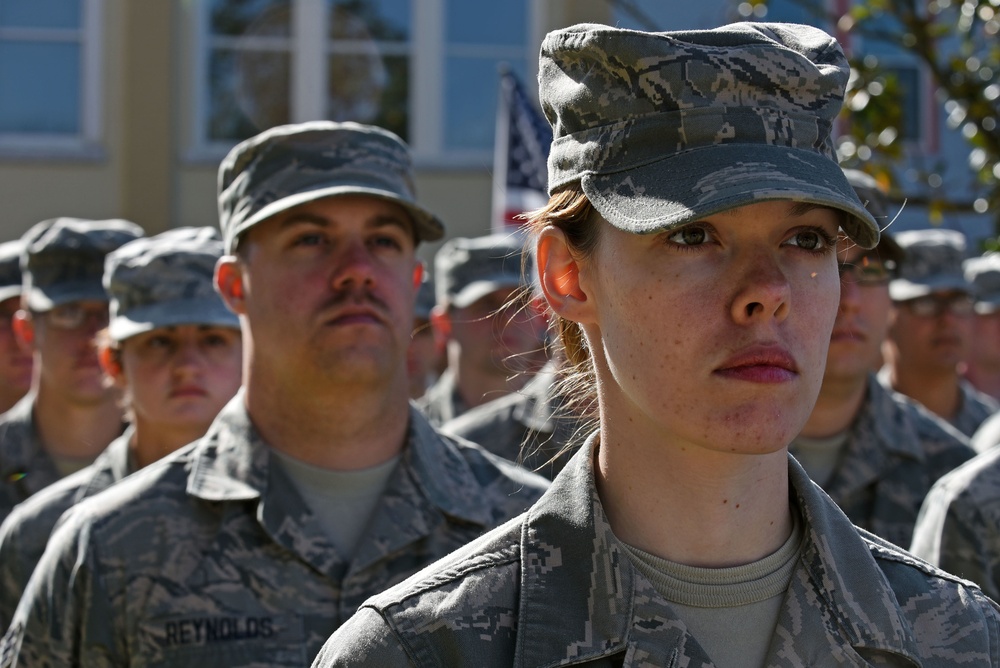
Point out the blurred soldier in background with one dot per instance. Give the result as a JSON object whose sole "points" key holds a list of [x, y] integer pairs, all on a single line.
{"points": [[15, 362]]}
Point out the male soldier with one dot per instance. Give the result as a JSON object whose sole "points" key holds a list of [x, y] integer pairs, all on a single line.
{"points": [[69, 415], [983, 362], [494, 340], [875, 452], [533, 426], [318, 485], [173, 348], [930, 330], [15, 363], [958, 528]]}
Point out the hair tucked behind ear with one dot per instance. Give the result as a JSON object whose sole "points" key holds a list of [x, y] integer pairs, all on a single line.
{"points": [[570, 211]]}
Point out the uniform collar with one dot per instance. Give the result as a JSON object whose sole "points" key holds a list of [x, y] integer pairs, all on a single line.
{"points": [[114, 463], [571, 560]]}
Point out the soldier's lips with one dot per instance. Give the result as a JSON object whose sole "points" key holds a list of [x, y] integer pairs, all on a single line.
{"points": [[188, 391], [847, 334], [766, 364]]}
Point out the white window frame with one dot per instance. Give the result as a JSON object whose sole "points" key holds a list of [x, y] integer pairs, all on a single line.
{"points": [[427, 54], [87, 143]]}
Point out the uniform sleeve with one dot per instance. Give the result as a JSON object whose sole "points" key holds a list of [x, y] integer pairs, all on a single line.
{"points": [[63, 619], [11, 577], [364, 640], [960, 536]]}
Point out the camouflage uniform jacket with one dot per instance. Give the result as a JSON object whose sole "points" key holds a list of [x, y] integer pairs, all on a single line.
{"points": [[976, 407], [525, 426], [959, 525], [556, 587], [25, 532], [988, 434], [210, 557], [25, 468], [895, 450], [441, 402]]}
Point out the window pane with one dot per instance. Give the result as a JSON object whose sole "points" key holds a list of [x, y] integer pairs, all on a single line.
{"points": [[39, 87], [40, 13], [370, 89], [471, 101], [248, 91], [385, 20], [908, 80], [254, 17], [503, 23]]}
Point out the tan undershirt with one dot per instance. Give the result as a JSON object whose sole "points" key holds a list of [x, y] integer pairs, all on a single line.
{"points": [[342, 501], [819, 456], [731, 612]]}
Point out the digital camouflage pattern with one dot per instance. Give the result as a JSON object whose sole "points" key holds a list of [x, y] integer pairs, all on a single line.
{"points": [[210, 556], [661, 129], [959, 525], [289, 165], [933, 262], [442, 402], [895, 450], [26, 531], [25, 468], [10, 269], [529, 426], [63, 259], [466, 270], [976, 407], [556, 587], [165, 280]]}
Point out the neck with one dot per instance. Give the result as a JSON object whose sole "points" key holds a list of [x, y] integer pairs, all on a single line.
{"points": [[8, 397], [152, 442], [334, 427], [693, 506], [68, 429], [938, 392], [838, 404]]}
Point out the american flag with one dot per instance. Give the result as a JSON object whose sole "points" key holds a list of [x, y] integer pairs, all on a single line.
{"points": [[521, 150]]}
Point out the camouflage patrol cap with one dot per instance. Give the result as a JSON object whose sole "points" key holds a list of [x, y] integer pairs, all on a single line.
{"points": [[933, 263], [983, 273], [466, 270], [165, 280], [290, 165], [63, 259], [661, 129], [10, 269]]}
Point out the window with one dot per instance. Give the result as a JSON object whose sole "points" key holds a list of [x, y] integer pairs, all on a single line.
{"points": [[49, 71], [431, 77]]}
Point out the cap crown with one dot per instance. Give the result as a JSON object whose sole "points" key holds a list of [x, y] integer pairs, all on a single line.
{"points": [[63, 259], [933, 262], [166, 280], [290, 165], [466, 270]]}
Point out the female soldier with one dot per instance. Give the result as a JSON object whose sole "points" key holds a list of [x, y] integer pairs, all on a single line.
{"points": [[688, 253], [173, 349]]}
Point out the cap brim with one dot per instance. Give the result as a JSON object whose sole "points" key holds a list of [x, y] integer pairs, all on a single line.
{"points": [[209, 312], [902, 289], [40, 300], [427, 226], [702, 182], [476, 290]]}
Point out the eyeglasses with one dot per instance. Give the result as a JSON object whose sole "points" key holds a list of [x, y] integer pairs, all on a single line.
{"points": [[74, 315], [866, 270], [936, 305]]}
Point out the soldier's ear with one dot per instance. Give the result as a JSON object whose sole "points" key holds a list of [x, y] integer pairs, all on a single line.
{"points": [[111, 364], [24, 331], [562, 276], [229, 283]]}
